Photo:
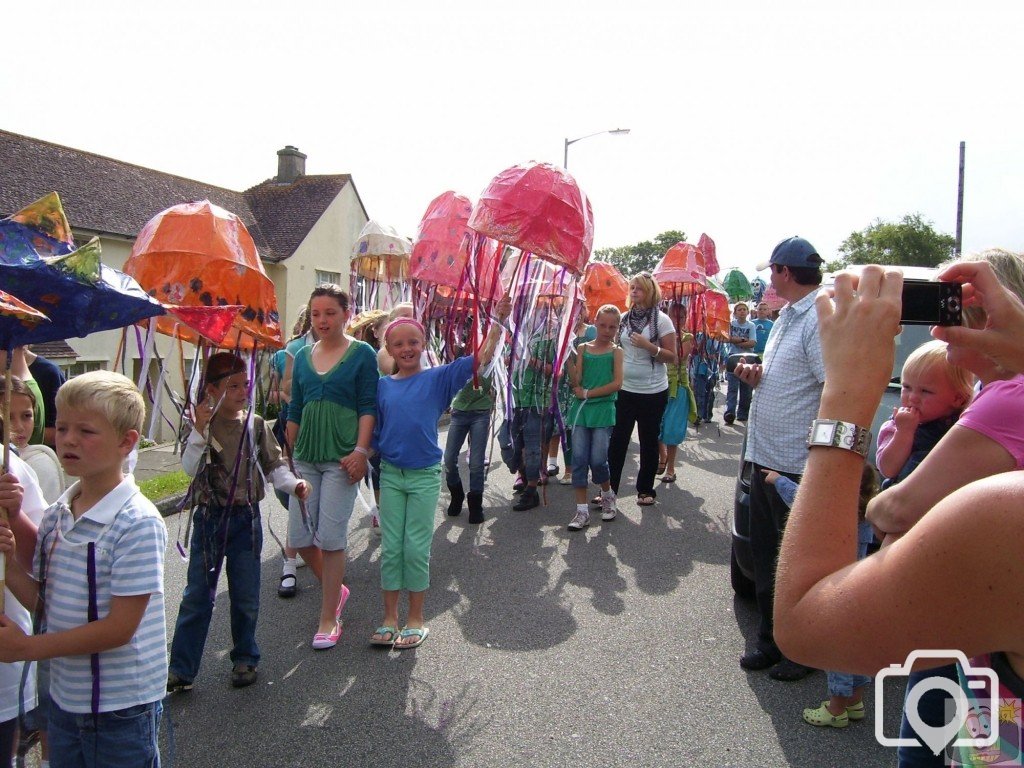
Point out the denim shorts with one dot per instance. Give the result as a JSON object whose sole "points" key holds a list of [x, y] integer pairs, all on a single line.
{"points": [[328, 507]]}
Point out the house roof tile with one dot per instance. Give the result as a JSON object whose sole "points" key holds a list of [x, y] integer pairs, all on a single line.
{"points": [[104, 195]]}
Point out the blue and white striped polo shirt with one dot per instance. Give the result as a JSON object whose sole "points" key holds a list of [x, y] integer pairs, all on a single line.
{"points": [[130, 538]]}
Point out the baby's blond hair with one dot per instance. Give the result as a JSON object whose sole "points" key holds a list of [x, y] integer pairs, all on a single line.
{"points": [[112, 395], [932, 355]]}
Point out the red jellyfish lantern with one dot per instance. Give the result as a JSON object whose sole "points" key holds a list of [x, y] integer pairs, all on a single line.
{"points": [[681, 272], [707, 246], [541, 210], [603, 284], [439, 253]]}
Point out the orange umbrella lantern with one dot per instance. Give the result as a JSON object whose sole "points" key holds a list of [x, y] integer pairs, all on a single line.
{"points": [[681, 271], [603, 284], [202, 259], [716, 314]]}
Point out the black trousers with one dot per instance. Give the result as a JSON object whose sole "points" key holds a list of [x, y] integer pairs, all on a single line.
{"points": [[768, 516], [644, 412]]}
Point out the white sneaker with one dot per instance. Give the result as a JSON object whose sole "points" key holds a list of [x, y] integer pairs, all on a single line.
{"points": [[579, 522], [566, 479], [608, 508]]}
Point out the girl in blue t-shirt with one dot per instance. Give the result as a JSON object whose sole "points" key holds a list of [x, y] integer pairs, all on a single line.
{"points": [[409, 404]]}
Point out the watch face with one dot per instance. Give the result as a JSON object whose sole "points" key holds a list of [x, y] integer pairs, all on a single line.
{"points": [[823, 433]]}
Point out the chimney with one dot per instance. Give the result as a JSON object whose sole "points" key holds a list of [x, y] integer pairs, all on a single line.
{"points": [[291, 164]]}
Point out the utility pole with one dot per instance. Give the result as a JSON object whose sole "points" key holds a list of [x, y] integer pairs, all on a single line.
{"points": [[960, 204]]}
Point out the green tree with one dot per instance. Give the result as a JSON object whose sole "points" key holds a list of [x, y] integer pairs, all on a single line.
{"points": [[642, 257], [912, 241]]}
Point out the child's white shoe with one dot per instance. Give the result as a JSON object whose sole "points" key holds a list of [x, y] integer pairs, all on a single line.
{"points": [[608, 508]]}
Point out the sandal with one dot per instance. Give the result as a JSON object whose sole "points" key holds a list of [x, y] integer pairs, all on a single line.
{"points": [[661, 467], [821, 717], [671, 478], [418, 633], [391, 632], [645, 500]]}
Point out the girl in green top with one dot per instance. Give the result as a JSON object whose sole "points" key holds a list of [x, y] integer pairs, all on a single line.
{"points": [[331, 416], [596, 375]]}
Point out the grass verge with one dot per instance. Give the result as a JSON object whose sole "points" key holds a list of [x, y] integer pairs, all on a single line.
{"points": [[160, 488]]}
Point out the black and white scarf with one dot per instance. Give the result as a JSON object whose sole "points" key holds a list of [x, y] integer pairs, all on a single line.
{"points": [[637, 319]]}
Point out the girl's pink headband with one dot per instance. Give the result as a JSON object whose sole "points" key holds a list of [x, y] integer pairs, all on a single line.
{"points": [[403, 321]]}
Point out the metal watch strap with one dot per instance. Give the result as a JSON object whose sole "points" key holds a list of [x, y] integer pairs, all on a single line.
{"points": [[844, 434]]}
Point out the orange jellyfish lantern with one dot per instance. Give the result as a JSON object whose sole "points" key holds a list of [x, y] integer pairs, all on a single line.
{"points": [[716, 314], [202, 259], [603, 284]]}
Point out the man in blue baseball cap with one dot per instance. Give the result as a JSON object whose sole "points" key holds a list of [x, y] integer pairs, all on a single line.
{"points": [[787, 393]]}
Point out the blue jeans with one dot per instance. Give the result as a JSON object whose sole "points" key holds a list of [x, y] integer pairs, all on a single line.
{"points": [[737, 387], [704, 394], [239, 538], [843, 683], [475, 424], [530, 434], [932, 709], [590, 451], [124, 738]]}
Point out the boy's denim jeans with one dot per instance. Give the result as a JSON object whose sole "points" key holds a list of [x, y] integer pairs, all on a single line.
{"points": [[737, 387], [529, 433], [704, 393], [208, 551], [477, 425], [124, 738]]}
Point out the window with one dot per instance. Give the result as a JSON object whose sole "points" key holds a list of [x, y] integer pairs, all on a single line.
{"points": [[82, 366], [323, 276]]}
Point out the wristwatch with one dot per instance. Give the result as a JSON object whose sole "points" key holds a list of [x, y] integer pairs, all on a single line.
{"points": [[829, 433]]}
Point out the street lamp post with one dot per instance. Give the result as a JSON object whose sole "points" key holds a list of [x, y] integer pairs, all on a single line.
{"points": [[614, 132]]}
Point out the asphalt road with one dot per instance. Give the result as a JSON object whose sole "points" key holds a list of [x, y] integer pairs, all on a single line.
{"points": [[615, 646]]}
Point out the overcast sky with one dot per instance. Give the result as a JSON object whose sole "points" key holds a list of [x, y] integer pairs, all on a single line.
{"points": [[750, 121]]}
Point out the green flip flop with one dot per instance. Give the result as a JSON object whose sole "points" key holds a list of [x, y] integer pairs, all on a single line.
{"points": [[420, 633], [391, 632]]}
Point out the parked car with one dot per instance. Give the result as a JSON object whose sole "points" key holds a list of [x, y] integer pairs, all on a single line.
{"points": [[741, 559]]}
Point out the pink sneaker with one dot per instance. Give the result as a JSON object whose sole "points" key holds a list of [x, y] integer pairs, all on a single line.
{"points": [[341, 601], [324, 640]]}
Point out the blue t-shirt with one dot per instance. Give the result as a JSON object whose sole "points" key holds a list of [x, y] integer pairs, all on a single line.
{"points": [[745, 330], [764, 327], [408, 409]]}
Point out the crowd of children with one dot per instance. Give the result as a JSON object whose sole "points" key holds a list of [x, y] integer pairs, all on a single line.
{"points": [[91, 555]]}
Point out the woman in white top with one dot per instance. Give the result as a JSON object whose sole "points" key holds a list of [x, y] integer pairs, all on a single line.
{"points": [[648, 341]]}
